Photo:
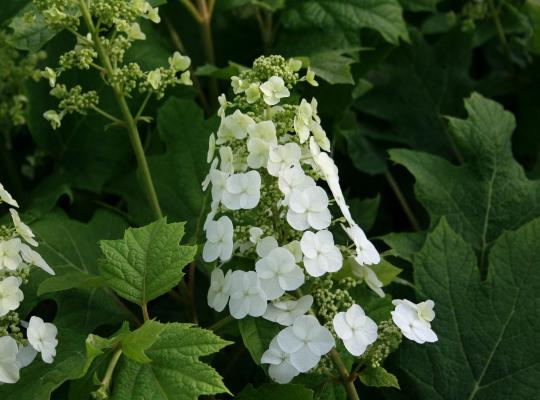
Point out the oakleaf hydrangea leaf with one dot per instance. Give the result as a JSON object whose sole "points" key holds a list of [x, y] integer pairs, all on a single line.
{"points": [[175, 371], [384, 16], [147, 262], [378, 377], [487, 194], [274, 391], [488, 330]]}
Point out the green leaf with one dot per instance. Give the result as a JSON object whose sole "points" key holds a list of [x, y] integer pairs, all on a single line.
{"points": [[420, 5], [69, 246], [274, 391], [378, 377], [412, 92], [384, 16], [11, 8], [257, 333], [137, 342], [29, 29], [178, 173], [532, 9], [386, 272], [364, 211], [175, 371], [71, 280], [334, 66], [404, 244], [487, 194], [488, 332], [147, 262], [97, 345]]}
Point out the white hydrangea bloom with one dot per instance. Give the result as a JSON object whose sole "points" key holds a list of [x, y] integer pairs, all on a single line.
{"points": [[414, 320], [306, 341], [285, 312], [253, 93], [10, 294], [266, 245], [219, 291], [238, 85], [366, 253], [282, 157], [22, 229], [211, 148], [309, 208], [255, 234], [302, 120], [26, 355], [234, 126], [223, 104], [246, 296], [242, 191], [261, 136], [218, 180], [356, 329], [42, 337], [219, 240], [278, 272], [366, 274], [293, 178], [280, 369], [227, 159], [274, 90], [10, 257], [295, 249], [6, 197], [320, 253], [179, 62], [9, 367]]}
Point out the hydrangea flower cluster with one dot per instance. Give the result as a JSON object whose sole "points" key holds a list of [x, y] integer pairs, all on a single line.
{"points": [[270, 165], [116, 28], [17, 256]]}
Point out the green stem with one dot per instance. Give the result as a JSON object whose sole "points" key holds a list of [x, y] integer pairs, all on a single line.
{"points": [[206, 33], [144, 308], [403, 201], [221, 323], [344, 375], [108, 116], [129, 122], [143, 106], [500, 30], [107, 379]]}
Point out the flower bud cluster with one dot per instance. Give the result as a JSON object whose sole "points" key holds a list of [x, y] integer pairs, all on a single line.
{"points": [[269, 167], [112, 30], [388, 341], [17, 256]]}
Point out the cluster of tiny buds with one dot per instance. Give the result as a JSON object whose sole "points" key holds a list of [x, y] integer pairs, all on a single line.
{"points": [[80, 58], [330, 297], [389, 339], [10, 326]]}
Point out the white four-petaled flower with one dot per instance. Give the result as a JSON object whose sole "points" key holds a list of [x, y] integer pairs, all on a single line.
{"points": [[10, 257], [278, 272], [366, 274], [281, 369], [9, 367], [356, 329], [219, 291], [284, 312], [6, 197], [293, 178], [22, 229], [242, 191], [309, 208], [42, 337], [246, 295], [219, 243], [273, 90], [414, 320], [261, 136], [234, 126], [366, 253], [10, 294], [306, 341], [320, 253], [282, 157]]}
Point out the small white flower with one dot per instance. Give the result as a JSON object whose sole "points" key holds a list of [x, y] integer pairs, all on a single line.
{"points": [[152, 13], [278, 272], [302, 120], [281, 369], [261, 136], [273, 90], [310, 78], [154, 78], [306, 341], [320, 253], [222, 100], [294, 65], [26, 355], [234, 126], [227, 159], [10, 257], [42, 337], [366, 253], [10, 294], [255, 234], [356, 329], [414, 320], [54, 118], [185, 78], [50, 75], [238, 85], [266, 245], [219, 244], [282, 157], [366, 274], [178, 62], [6, 197], [309, 208], [9, 367], [220, 286], [253, 93], [319, 135], [242, 191], [293, 178], [218, 179], [134, 32], [286, 311], [295, 249], [247, 297], [22, 229], [211, 148]]}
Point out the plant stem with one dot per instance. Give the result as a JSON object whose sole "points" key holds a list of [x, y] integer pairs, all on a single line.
{"points": [[402, 200], [500, 30], [344, 374], [129, 122], [206, 33], [107, 379], [108, 116], [221, 323], [191, 290], [144, 308]]}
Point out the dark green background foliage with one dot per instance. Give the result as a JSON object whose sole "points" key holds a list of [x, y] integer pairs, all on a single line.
{"points": [[433, 110]]}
